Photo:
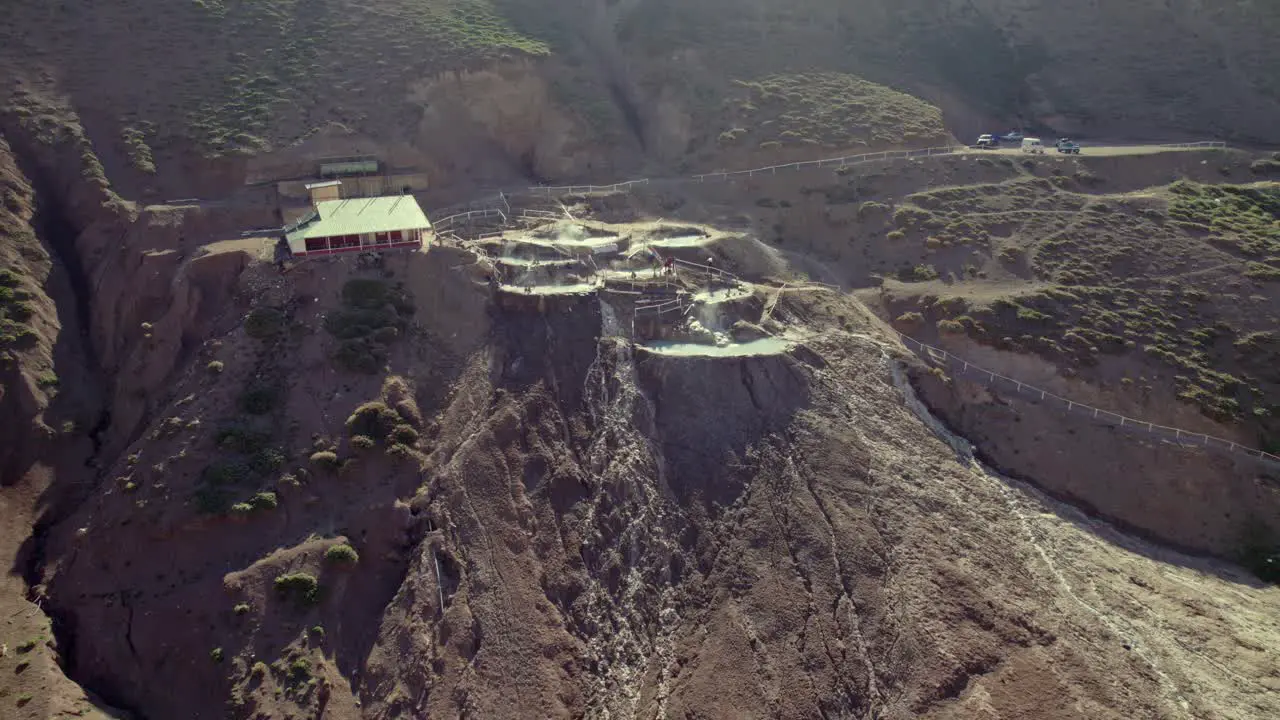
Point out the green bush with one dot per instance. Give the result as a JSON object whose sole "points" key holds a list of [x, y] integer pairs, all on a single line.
{"points": [[362, 442], [242, 609], [910, 319], [9, 278], [373, 419], [21, 310], [324, 459], [404, 434], [1260, 555], [950, 327], [399, 450], [342, 554], [224, 472], [215, 367], [1265, 167], [216, 654], [264, 323], [212, 499], [267, 460], [299, 670], [896, 235], [360, 355], [242, 439], [259, 399], [908, 216], [924, 273], [347, 324], [264, 501], [303, 588], [365, 293], [47, 379]]}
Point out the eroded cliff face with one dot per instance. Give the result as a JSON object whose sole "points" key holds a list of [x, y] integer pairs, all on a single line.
{"points": [[577, 527]]}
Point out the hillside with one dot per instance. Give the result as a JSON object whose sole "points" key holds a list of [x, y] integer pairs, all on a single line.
{"points": [[175, 95], [528, 470]]}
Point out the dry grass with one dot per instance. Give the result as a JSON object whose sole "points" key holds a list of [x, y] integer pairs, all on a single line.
{"points": [[830, 110], [1180, 278]]}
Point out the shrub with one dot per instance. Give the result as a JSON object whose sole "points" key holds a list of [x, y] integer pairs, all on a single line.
{"points": [[950, 327], [299, 670], [374, 419], [1011, 255], [20, 311], [267, 460], [362, 442], [317, 631], [241, 509], [910, 319], [264, 501], [259, 399], [212, 499], [47, 379], [9, 278], [303, 588], [170, 426], [409, 413], [404, 434], [399, 450], [870, 208], [225, 472], [242, 609], [908, 216], [1265, 167], [216, 654], [342, 554], [215, 367], [360, 355], [1259, 555], [258, 670], [365, 293], [924, 273], [264, 323], [348, 324], [241, 439], [896, 235], [324, 459]]}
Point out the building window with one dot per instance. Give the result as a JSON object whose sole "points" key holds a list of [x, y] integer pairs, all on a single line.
{"points": [[315, 244], [380, 238], [397, 236]]}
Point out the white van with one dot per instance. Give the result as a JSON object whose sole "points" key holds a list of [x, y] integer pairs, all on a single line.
{"points": [[1032, 145]]}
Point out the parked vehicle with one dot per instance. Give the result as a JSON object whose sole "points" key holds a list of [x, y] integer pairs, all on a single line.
{"points": [[986, 142], [1066, 145], [1032, 145], [1012, 137]]}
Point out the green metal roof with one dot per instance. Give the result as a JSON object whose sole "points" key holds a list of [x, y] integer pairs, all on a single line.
{"points": [[356, 216]]}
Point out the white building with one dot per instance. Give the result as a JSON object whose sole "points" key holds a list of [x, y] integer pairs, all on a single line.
{"points": [[334, 225]]}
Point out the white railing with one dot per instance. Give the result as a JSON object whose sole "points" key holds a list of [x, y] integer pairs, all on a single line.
{"points": [[958, 365], [571, 189], [468, 216]]}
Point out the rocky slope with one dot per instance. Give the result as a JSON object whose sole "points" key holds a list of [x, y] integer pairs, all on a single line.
{"points": [[578, 526]]}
